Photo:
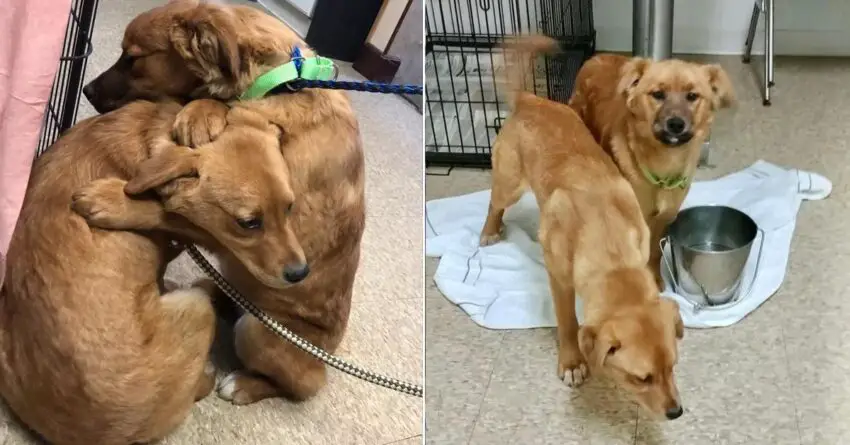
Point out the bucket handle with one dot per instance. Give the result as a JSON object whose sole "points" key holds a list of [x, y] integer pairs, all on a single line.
{"points": [[664, 241]]}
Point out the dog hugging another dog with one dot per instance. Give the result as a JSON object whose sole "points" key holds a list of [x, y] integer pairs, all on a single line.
{"points": [[609, 172], [93, 350]]}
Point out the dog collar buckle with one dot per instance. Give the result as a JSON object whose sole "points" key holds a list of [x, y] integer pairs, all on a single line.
{"points": [[298, 68]]}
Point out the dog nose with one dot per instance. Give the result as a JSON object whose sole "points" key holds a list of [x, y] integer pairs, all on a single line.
{"points": [[88, 91], [675, 413], [296, 273], [675, 125]]}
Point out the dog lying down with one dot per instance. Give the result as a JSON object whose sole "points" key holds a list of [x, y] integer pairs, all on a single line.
{"points": [[595, 243], [188, 49], [91, 351]]}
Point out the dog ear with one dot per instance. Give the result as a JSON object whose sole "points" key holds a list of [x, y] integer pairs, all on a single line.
{"points": [[596, 347], [205, 36], [631, 73], [721, 86], [178, 162], [673, 308]]}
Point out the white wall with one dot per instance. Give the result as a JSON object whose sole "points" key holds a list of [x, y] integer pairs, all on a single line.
{"points": [[802, 27]]}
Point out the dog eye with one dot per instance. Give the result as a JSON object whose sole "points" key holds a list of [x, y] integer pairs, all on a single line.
{"points": [[289, 208], [250, 223], [691, 96], [647, 380], [658, 95]]}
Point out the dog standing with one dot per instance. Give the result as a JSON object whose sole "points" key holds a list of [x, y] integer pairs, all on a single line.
{"points": [[189, 49], [652, 118], [595, 243]]}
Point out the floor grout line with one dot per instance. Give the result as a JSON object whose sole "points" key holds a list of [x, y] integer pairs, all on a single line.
{"points": [[788, 374], [637, 424], [486, 389], [403, 439]]}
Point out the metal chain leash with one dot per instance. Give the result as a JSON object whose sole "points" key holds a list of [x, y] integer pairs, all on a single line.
{"points": [[304, 345]]}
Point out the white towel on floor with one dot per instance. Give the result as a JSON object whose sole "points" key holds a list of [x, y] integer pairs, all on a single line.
{"points": [[505, 286]]}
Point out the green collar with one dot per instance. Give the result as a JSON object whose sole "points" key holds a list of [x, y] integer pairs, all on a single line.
{"points": [[311, 68], [667, 182]]}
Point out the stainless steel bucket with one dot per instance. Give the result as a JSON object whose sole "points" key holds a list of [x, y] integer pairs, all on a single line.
{"points": [[709, 246]]}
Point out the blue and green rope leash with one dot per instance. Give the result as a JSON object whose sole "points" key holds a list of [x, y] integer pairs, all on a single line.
{"points": [[315, 72]]}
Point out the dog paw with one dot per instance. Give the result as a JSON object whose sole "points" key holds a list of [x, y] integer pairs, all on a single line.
{"points": [[228, 388], [573, 372], [199, 122], [488, 239], [101, 202], [239, 388]]}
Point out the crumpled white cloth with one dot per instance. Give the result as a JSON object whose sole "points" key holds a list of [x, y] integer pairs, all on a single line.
{"points": [[505, 286]]}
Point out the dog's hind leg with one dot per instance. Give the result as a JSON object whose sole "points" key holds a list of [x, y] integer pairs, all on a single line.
{"points": [[274, 367], [506, 191], [183, 327]]}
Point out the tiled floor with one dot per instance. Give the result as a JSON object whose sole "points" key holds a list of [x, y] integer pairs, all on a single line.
{"points": [[385, 329], [781, 376]]}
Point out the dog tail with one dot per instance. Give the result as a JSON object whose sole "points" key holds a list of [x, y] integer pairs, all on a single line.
{"points": [[519, 57]]}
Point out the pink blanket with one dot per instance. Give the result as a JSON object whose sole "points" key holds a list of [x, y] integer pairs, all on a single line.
{"points": [[31, 36]]}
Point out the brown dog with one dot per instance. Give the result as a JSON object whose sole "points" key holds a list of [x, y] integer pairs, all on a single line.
{"points": [[595, 243], [91, 352], [189, 49], [652, 117]]}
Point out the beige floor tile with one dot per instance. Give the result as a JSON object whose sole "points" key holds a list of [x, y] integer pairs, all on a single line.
{"points": [[818, 345], [391, 259], [527, 403], [458, 182], [459, 360]]}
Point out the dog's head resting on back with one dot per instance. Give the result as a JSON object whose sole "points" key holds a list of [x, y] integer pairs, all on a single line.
{"points": [[236, 189], [635, 345], [673, 101], [187, 49]]}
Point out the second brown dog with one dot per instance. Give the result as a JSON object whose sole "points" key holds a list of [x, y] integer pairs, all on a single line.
{"points": [[595, 244], [188, 49], [652, 118]]}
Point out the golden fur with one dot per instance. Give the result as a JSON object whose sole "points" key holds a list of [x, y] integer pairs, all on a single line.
{"points": [[595, 243], [625, 102], [91, 350], [188, 49]]}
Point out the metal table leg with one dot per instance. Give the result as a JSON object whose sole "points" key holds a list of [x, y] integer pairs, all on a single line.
{"points": [[652, 29], [765, 6]]}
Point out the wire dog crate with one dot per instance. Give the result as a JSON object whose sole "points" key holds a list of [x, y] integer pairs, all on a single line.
{"points": [[464, 105], [61, 111]]}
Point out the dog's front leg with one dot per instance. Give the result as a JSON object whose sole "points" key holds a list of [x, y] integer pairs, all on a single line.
{"points": [[104, 204], [200, 122], [572, 369], [657, 227]]}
